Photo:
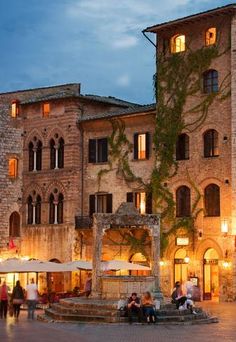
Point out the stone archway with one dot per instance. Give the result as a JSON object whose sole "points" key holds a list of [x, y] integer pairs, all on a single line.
{"points": [[126, 216]]}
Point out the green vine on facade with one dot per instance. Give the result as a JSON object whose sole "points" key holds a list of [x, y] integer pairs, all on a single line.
{"points": [[178, 84]]}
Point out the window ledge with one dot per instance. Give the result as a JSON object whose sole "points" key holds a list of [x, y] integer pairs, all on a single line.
{"points": [[211, 157], [138, 160]]}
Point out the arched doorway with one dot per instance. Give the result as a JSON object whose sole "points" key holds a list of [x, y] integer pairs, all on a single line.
{"points": [[55, 279], [210, 275], [181, 266]]}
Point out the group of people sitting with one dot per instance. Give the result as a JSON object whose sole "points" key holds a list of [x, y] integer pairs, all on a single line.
{"points": [[181, 300], [142, 308]]}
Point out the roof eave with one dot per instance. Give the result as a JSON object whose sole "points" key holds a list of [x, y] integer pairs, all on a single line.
{"points": [[221, 10]]}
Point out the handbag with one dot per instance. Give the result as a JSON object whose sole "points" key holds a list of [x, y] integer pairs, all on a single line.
{"points": [[18, 301]]}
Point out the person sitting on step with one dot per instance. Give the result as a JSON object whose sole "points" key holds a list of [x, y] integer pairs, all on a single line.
{"points": [[134, 307], [148, 307]]}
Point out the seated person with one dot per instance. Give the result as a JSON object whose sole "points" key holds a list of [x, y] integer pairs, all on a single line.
{"points": [[177, 296], [134, 307], [148, 307]]}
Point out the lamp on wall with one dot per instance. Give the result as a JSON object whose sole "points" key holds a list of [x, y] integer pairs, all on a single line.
{"points": [[224, 227], [187, 259]]}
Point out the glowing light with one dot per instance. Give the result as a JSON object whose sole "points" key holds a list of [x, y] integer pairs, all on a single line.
{"points": [[226, 264], [224, 226], [186, 259], [162, 263]]}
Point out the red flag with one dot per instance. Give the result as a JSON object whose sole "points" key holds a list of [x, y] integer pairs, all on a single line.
{"points": [[11, 244]]}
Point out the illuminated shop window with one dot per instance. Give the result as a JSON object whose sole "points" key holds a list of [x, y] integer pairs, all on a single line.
{"points": [[13, 167], [178, 43], [210, 36], [46, 109], [15, 109]]}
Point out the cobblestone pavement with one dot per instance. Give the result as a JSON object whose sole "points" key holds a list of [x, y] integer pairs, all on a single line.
{"points": [[35, 331]]}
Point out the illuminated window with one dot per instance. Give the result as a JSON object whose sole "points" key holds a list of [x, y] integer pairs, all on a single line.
{"points": [[178, 43], [210, 36], [46, 109], [14, 109], [13, 167], [142, 201], [141, 146]]}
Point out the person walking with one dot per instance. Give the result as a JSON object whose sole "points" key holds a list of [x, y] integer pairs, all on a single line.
{"points": [[4, 298], [17, 299], [32, 297]]}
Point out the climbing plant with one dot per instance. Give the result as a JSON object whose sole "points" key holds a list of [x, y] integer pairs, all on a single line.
{"points": [[178, 84]]}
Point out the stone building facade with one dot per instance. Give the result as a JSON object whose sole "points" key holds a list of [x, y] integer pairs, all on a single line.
{"points": [[78, 154]]}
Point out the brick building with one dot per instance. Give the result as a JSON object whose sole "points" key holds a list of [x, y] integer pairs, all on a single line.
{"points": [[65, 156]]}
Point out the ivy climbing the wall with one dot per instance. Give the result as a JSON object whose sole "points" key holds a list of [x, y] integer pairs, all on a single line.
{"points": [[178, 84]]}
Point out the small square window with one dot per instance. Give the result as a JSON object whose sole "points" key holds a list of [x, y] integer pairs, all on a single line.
{"points": [[13, 168], [46, 109]]}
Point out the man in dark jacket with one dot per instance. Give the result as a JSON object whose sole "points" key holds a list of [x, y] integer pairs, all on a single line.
{"points": [[134, 307]]}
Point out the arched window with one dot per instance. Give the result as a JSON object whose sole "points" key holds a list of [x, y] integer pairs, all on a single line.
{"points": [[211, 148], [39, 156], [210, 81], [52, 154], [60, 209], [38, 210], [30, 210], [183, 205], [177, 43], [51, 209], [212, 200], [210, 36], [31, 156], [61, 153], [182, 147], [14, 225]]}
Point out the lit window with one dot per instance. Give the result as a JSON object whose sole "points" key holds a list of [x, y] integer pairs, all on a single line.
{"points": [[14, 109], [140, 202], [46, 109], [13, 167], [141, 146], [178, 43], [210, 36]]}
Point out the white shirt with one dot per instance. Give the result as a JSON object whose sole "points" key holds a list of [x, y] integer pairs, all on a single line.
{"points": [[32, 291]]}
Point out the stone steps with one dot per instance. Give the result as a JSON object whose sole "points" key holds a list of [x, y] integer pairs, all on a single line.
{"points": [[102, 311], [57, 316], [83, 310]]}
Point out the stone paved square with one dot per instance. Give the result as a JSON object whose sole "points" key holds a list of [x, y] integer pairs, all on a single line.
{"points": [[35, 331]]}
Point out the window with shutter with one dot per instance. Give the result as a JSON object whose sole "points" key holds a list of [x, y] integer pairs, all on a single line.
{"points": [[91, 205], [211, 148], [92, 150], [182, 147], [61, 154], [129, 197], [52, 154], [183, 202], [212, 200], [31, 156], [102, 150], [149, 203], [141, 145]]}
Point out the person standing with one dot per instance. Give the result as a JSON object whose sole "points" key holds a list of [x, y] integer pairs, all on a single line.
{"points": [[17, 299], [88, 285], [32, 297], [4, 297]]}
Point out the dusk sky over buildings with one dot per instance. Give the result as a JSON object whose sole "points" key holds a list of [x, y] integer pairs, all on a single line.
{"points": [[97, 43]]}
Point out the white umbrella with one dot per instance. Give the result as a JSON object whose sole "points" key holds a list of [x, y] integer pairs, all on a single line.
{"points": [[122, 265], [78, 264]]}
